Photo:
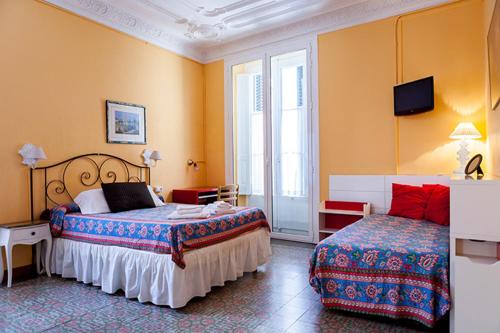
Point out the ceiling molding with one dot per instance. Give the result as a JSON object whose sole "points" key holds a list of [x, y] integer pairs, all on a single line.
{"points": [[192, 43], [264, 12], [222, 10], [364, 12], [108, 15]]}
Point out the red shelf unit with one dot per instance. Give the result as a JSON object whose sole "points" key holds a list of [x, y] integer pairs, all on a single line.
{"points": [[335, 215], [195, 195]]}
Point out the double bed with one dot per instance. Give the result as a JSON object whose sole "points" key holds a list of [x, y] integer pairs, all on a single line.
{"points": [[150, 229], [142, 252]]}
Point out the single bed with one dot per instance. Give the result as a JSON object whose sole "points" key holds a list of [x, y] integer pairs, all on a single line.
{"points": [[152, 258], [385, 265]]}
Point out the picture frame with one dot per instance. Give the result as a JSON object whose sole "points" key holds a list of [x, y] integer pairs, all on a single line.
{"points": [[474, 165], [494, 56], [125, 123]]}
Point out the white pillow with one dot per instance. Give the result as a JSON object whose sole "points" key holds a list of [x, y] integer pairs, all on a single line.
{"points": [[156, 199], [92, 202]]}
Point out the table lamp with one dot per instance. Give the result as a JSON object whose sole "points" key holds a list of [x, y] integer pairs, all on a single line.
{"points": [[464, 132]]}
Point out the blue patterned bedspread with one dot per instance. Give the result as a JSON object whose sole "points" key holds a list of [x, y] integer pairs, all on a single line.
{"points": [[385, 265], [150, 230]]}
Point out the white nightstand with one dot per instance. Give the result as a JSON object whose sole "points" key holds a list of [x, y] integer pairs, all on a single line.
{"points": [[474, 255], [29, 233]]}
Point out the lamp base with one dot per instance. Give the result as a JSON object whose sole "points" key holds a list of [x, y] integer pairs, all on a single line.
{"points": [[462, 157]]}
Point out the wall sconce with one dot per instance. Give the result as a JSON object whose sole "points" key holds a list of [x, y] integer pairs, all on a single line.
{"points": [[32, 154], [195, 164], [464, 132], [150, 156]]}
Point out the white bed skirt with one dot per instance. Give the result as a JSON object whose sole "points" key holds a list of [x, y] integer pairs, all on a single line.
{"points": [[152, 277]]}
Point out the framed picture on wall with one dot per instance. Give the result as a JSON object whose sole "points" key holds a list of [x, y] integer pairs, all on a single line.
{"points": [[494, 56], [125, 123]]}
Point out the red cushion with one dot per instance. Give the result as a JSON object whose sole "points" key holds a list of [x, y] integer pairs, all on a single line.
{"points": [[408, 201], [438, 205]]}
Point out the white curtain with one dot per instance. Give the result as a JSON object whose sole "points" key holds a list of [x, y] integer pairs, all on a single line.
{"points": [[242, 137], [292, 155], [289, 134], [250, 134], [257, 157]]}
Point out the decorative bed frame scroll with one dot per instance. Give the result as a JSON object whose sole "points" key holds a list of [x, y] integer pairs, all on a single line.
{"points": [[93, 174]]}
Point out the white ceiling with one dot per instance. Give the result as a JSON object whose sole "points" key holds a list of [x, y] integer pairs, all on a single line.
{"points": [[205, 30]]}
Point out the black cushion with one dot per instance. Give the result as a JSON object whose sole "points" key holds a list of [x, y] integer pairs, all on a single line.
{"points": [[127, 196]]}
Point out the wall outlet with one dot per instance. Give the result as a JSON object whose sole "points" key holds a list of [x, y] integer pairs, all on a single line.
{"points": [[158, 189]]}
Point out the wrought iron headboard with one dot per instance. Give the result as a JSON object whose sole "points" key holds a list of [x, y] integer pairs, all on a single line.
{"points": [[87, 177]]}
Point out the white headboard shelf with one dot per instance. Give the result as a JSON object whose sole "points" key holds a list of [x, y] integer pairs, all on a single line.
{"points": [[376, 189]]}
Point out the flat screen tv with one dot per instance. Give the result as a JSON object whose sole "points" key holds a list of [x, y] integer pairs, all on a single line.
{"points": [[414, 97]]}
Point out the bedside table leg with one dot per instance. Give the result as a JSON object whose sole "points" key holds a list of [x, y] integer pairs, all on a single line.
{"points": [[1, 266], [8, 254], [37, 257], [48, 250]]}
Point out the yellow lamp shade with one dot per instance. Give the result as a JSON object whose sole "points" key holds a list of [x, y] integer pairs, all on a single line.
{"points": [[465, 130]]}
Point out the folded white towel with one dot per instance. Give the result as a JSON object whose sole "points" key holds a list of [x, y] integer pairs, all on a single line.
{"points": [[215, 209], [189, 211], [201, 212], [176, 216], [223, 204], [224, 211], [188, 207]]}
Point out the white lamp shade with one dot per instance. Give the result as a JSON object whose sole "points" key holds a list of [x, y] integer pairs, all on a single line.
{"points": [[465, 130], [39, 154], [155, 156], [32, 154]]}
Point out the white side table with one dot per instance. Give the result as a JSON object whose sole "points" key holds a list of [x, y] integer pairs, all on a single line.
{"points": [[28, 233]]}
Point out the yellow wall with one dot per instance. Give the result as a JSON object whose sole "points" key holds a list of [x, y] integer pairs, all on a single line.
{"points": [[358, 67], [356, 124], [448, 43], [57, 70], [492, 116], [214, 120]]}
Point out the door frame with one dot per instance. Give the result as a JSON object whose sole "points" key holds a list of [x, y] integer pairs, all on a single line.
{"points": [[264, 53]]}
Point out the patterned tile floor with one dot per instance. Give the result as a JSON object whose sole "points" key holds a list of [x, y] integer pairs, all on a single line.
{"points": [[276, 298]]}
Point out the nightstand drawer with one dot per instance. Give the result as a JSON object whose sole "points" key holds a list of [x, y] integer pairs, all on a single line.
{"points": [[30, 234]]}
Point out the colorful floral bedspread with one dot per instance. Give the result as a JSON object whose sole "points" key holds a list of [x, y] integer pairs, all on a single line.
{"points": [[150, 230], [385, 265]]}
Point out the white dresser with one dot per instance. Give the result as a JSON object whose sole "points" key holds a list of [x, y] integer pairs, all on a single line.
{"points": [[474, 267]]}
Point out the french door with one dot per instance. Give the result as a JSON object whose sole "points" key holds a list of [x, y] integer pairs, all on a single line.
{"points": [[270, 141]]}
